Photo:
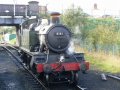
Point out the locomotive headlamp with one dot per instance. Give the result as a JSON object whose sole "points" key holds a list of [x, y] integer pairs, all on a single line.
{"points": [[62, 58]]}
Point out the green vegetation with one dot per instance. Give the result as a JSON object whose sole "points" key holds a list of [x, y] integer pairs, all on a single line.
{"points": [[44, 15], [13, 41], [100, 61], [7, 34], [104, 63], [5, 29], [96, 35]]}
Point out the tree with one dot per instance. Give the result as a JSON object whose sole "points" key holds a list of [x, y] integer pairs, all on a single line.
{"points": [[76, 19], [103, 35], [73, 17], [44, 15]]}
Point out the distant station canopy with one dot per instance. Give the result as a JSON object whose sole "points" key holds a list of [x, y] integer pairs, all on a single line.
{"points": [[55, 17]]}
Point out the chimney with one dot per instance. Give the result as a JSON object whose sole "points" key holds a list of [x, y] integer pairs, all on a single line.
{"points": [[55, 18], [95, 6]]}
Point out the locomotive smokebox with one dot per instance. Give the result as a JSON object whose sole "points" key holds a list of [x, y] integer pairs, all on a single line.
{"points": [[55, 37]]}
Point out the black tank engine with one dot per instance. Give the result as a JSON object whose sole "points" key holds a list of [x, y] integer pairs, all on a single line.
{"points": [[45, 48]]}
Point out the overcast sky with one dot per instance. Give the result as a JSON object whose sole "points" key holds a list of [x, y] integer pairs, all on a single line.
{"points": [[104, 6]]}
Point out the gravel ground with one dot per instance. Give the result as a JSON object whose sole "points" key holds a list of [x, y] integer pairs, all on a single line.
{"points": [[14, 78], [93, 81]]}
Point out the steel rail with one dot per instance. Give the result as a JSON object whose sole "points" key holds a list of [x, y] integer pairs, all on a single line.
{"points": [[20, 62], [81, 88], [114, 77]]}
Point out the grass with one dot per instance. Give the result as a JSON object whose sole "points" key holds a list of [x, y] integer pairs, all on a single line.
{"points": [[102, 62], [13, 41], [106, 63]]}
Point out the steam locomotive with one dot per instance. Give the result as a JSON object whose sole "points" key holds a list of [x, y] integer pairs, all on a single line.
{"points": [[45, 49]]}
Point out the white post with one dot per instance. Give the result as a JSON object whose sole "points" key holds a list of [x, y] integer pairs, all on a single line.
{"points": [[26, 11], [14, 7]]}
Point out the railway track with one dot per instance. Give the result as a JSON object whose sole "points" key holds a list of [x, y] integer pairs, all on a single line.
{"points": [[81, 88], [12, 51]]}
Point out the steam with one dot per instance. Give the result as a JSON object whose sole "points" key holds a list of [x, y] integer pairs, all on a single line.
{"points": [[71, 48]]}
